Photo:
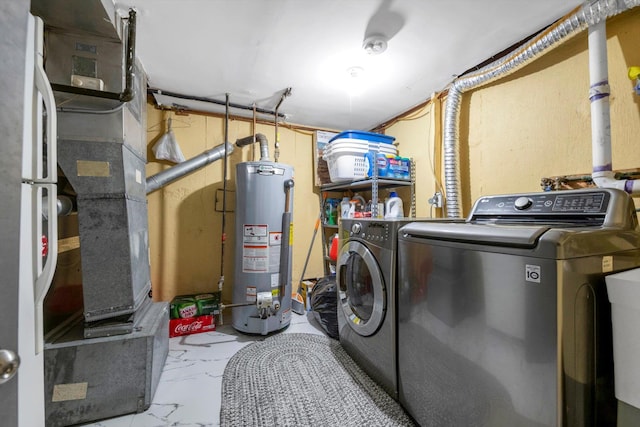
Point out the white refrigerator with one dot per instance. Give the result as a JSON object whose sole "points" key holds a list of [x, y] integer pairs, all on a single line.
{"points": [[29, 238]]}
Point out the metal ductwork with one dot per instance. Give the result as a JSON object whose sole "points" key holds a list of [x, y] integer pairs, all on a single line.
{"points": [[102, 153], [95, 17], [589, 14], [264, 144], [120, 338], [167, 176], [182, 169]]}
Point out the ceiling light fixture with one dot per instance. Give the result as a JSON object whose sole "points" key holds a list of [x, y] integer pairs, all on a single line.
{"points": [[355, 72], [375, 44], [355, 80]]}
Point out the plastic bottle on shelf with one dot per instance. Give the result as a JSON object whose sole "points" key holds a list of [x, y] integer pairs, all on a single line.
{"points": [[345, 205], [358, 198], [383, 165], [333, 251], [367, 209], [352, 209], [330, 212], [393, 207], [359, 204]]}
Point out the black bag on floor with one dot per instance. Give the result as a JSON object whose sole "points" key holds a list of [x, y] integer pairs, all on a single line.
{"points": [[324, 303]]}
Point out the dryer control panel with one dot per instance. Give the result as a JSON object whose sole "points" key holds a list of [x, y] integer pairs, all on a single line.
{"points": [[373, 231]]}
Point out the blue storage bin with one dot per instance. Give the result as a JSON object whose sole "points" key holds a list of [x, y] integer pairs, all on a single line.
{"points": [[362, 135]]}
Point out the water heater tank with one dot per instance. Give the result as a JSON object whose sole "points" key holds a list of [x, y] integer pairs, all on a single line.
{"points": [[264, 201]]}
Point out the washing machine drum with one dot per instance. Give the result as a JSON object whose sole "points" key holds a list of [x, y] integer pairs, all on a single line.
{"points": [[361, 289]]}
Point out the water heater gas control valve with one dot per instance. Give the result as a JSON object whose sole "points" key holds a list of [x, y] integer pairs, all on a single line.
{"points": [[264, 300]]}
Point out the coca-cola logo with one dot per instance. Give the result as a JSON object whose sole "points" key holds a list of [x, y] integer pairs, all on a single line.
{"points": [[191, 327]]}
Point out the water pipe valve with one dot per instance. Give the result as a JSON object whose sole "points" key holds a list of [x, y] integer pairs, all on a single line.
{"points": [[634, 74]]}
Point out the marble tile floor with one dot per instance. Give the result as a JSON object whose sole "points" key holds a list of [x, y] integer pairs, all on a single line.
{"points": [[190, 385]]}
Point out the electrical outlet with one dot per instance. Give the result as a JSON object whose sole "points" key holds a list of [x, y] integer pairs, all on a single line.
{"points": [[436, 200]]}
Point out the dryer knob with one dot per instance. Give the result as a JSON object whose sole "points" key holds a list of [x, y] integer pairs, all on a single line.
{"points": [[356, 228]]}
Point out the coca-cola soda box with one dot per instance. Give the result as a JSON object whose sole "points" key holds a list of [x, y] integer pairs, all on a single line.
{"points": [[191, 325]]}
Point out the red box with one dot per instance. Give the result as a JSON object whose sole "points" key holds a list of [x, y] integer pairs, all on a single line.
{"points": [[191, 325]]}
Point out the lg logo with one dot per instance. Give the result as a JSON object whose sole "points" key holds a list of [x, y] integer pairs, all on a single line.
{"points": [[532, 273]]}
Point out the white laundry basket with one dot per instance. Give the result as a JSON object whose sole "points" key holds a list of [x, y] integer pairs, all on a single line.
{"points": [[346, 165]]}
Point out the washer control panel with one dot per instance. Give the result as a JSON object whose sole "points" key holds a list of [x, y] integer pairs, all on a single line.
{"points": [[549, 203]]}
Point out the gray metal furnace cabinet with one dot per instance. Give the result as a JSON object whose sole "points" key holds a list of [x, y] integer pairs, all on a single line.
{"points": [[93, 379]]}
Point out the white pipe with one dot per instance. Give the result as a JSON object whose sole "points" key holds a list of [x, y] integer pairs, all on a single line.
{"points": [[590, 13], [599, 94]]}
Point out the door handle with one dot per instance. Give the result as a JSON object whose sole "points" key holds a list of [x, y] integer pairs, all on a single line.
{"points": [[9, 364]]}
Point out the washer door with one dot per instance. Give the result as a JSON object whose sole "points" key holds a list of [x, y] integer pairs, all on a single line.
{"points": [[361, 288]]}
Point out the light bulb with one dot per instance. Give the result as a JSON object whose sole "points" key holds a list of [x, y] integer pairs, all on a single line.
{"points": [[375, 45]]}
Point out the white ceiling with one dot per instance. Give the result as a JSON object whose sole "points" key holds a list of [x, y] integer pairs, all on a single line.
{"points": [[254, 49]]}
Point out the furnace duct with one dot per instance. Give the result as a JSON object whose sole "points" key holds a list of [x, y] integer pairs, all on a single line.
{"points": [[589, 15]]}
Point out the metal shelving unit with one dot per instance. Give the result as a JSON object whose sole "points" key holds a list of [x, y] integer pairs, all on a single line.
{"points": [[374, 184]]}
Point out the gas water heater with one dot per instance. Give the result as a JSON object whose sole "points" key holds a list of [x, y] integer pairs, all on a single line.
{"points": [[262, 274]]}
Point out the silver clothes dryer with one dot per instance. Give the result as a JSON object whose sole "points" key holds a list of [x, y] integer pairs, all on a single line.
{"points": [[366, 278]]}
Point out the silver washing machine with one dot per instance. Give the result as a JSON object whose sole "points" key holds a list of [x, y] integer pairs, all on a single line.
{"points": [[366, 278], [504, 320]]}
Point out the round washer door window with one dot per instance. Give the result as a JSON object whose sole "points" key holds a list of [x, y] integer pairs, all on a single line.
{"points": [[361, 289]]}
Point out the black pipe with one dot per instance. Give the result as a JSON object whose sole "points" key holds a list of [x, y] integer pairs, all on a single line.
{"points": [[212, 101], [224, 194], [128, 93], [286, 93]]}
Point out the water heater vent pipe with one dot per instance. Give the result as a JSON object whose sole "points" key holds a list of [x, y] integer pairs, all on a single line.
{"points": [[167, 176], [264, 144]]}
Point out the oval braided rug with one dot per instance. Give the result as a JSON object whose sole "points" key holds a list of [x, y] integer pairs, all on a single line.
{"points": [[302, 380]]}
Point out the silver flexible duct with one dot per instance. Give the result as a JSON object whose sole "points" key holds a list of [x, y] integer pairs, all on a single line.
{"points": [[590, 13], [181, 169]]}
